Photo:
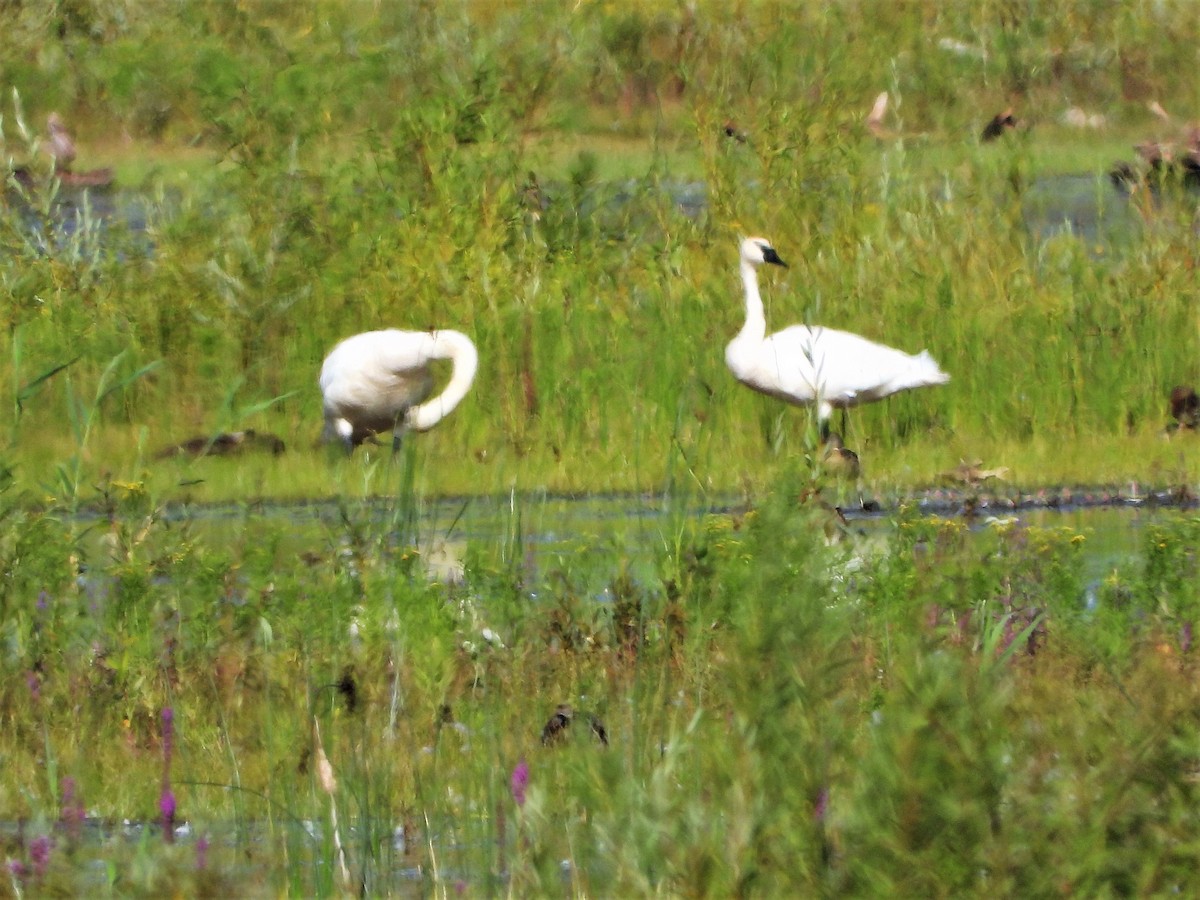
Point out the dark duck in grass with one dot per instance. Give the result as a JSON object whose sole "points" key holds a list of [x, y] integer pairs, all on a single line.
{"points": [[232, 443], [838, 459], [1185, 409], [972, 473], [1175, 158], [555, 730], [1000, 123]]}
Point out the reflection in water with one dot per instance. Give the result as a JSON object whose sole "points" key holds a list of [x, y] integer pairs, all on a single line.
{"points": [[443, 559]]}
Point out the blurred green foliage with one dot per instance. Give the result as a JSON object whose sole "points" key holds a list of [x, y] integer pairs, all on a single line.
{"points": [[924, 708]]}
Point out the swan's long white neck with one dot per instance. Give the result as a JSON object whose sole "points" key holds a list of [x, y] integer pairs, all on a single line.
{"points": [[755, 328], [456, 347]]}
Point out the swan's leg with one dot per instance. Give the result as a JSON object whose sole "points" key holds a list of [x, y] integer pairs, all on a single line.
{"points": [[824, 412], [398, 435], [345, 433]]}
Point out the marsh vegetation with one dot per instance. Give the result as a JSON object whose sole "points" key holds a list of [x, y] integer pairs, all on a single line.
{"points": [[790, 706]]}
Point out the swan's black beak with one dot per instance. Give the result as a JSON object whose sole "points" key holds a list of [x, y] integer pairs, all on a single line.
{"points": [[769, 255]]}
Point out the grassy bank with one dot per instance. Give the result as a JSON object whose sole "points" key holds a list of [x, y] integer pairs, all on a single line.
{"points": [[280, 217]]}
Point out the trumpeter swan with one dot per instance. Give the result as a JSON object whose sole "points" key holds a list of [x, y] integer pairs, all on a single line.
{"points": [[381, 380], [816, 365]]}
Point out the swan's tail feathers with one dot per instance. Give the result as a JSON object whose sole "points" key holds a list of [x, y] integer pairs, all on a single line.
{"points": [[927, 371]]}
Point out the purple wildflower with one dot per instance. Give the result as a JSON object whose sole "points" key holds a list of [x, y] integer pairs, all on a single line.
{"points": [[39, 854], [17, 869], [166, 807], [202, 852], [520, 781], [43, 601], [1185, 637], [821, 805], [166, 799], [168, 733], [70, 813]]}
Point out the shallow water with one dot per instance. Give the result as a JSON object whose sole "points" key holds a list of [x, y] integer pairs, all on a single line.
{"points": [[86, 222], [1088, 206], [599, 536]]}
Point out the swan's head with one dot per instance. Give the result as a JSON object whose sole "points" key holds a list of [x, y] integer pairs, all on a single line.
{"points": [[756, 251]]}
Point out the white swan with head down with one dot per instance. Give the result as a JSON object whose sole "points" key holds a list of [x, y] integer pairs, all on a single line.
{"points": [[815, 365], [381, 381]]}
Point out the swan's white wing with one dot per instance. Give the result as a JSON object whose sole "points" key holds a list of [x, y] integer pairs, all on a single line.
{"points": [[843, 369]]}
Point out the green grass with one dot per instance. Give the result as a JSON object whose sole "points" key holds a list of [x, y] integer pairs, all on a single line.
{"points": [[617, 317], [924, 710], [934, 710]]}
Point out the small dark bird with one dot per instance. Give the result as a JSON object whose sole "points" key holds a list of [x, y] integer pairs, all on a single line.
{"points": [[348, 689], [556, 728], [533, 198], [972, 473], [1165, 158], [1185, 149], [838, 459], [229, 443], [599, 730], [1124, 177], [1185, 408], [732, 131], [1155, 154], [997, 126], [23, 176]]}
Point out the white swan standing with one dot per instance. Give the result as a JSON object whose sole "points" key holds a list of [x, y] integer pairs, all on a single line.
{"points": [[380, 381], [816, 365]]}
